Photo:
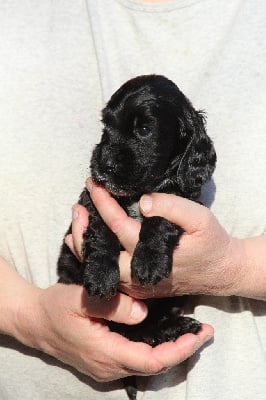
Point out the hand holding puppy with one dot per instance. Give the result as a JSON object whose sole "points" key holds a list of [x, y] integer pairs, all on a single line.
{"points": [[207, 260]]}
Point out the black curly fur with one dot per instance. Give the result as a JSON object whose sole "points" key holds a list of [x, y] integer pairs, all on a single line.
{"points": [[153, 141]]}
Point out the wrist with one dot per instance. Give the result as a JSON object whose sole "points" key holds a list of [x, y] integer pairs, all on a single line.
{"points": [[18, 305], [235, 267], [26, 316], [251, 282], [225, 272]]}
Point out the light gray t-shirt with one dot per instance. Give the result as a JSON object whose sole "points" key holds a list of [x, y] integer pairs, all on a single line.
{"points": [[59, 63]]}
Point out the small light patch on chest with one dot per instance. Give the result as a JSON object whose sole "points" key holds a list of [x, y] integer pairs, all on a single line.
{"points": [[133, 211]]}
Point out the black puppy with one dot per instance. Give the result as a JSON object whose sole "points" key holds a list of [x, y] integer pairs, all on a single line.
{"points": [[153, 141]]}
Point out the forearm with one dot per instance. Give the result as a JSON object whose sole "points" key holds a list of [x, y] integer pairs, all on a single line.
{"points": [[251, 255], [17, 299]]}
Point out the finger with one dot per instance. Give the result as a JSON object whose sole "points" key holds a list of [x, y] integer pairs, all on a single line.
{"points": [[182, 212], [145, 360], [136, 357], [125, 267], [120, 308], [124, 227], [132, 287], [69, 242], [184, 347], [80, 221]]}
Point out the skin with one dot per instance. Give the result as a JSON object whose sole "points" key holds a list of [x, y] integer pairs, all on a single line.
{"points": [[33, 315], [231, 267], [65, 323], [207, 261]]}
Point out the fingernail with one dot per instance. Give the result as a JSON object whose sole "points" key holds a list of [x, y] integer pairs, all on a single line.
{"points": [[68, 240], [146, 203], [208, 338], [200, 343], [92, 186], [75, 213], [89, 184], [138, 311]]}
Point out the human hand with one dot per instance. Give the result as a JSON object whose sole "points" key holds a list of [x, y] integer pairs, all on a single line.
{"points": [[202, 263], [185, 345], [64, 322], [70, 326]]}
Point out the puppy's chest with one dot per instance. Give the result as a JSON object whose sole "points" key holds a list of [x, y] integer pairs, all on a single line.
{"points": [[132, 209]]}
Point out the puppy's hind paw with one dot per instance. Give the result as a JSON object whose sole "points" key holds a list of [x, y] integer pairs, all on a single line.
{"points": [[188, 325], [101, 276]]}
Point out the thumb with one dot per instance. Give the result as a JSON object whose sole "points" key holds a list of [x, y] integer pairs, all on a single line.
{"points": [[182, 212], [120, 308]]}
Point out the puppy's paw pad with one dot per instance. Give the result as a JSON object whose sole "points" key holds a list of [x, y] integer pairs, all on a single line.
{"points": [[101, 277]]}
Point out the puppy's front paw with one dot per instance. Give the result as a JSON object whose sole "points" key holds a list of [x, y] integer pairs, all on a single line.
{"points": [[150, 265], [101, 276], [152, 259]]}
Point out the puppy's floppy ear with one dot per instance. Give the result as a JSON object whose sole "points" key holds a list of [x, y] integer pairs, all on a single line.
{"points": [[199, 158]]}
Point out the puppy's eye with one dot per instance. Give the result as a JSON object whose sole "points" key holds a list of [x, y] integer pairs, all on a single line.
{"points": [[143, 131]]}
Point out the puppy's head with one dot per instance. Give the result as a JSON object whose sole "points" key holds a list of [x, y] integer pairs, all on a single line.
{"points": [[150, 130]]}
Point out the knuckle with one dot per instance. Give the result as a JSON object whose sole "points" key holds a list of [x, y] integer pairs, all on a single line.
{"points": [[102, 379], [206, 218], [102, 376], [154, 367], [116, 225]]}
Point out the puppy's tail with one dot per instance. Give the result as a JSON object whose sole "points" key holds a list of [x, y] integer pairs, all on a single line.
{"points": [[130, 384]]}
